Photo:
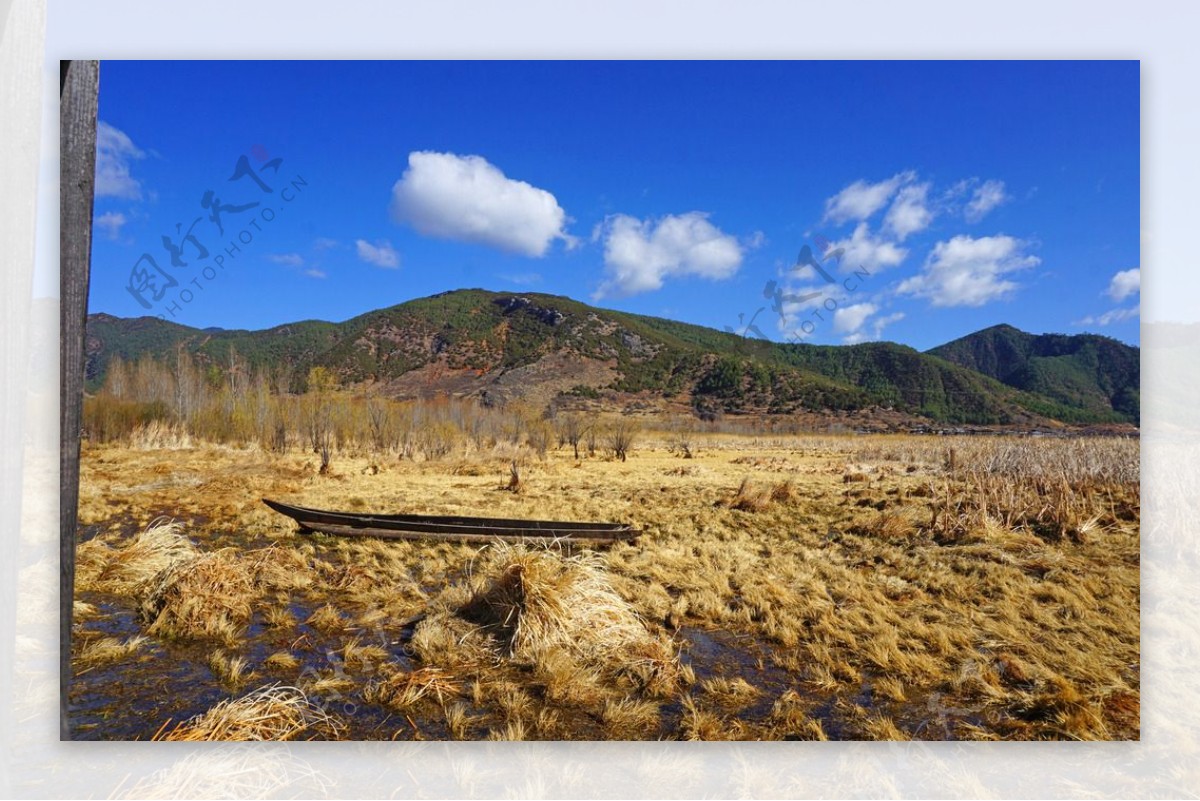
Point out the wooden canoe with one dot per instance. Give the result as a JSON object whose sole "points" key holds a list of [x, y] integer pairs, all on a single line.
{"points": [[451, 527]]}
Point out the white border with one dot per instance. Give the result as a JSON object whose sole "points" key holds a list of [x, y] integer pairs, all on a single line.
{"points": [[34, 764]]}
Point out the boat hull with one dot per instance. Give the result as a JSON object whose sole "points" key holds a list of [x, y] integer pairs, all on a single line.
{"points": [[453, 528]]}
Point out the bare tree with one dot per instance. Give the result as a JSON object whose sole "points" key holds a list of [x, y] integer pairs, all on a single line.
{"points": [[379, 418], [620, 437], [571, 430], [591, 435]]}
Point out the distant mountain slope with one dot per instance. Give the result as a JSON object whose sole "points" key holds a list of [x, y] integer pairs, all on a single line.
{"points": [[1091, 373], [502, 345]]}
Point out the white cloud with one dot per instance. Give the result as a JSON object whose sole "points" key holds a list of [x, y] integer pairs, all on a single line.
{"points": [[324, 243], [114, 152], [110, 223], [969, 272], [465, 198], [286, 259], [864, 250], [986, 197], [381, 254], [848, 319], [1110, 317], [860, 200], [875, 332], [852, 321], [1125, 283], [640, 254], [909, 212], [313, 272], [756, 240]]}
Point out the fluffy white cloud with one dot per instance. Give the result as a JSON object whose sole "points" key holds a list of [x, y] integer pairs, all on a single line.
{"points": [[860, 200], [286, 259], [110, 223], [909, 212], [986, 197], [313, 272], [861, 249], [848, 319], [1125, 283], [465, 198], [1110, 317], [640, 254], [381, 254], [114, 153], [969, 272]]}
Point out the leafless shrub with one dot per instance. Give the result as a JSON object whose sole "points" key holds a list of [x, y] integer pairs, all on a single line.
{"points": [[619, 438]]}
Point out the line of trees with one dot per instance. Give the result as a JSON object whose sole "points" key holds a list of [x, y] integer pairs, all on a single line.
{"points": [[181, 400]]}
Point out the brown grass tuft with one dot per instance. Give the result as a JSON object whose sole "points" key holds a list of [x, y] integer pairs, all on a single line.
{"points": [[404, 689], [208, 595], [102, 568], [537, 601], [269, 713]]}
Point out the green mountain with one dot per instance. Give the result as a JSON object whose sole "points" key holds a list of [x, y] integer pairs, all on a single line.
{"points": [[1094, 374], [497, 346]]}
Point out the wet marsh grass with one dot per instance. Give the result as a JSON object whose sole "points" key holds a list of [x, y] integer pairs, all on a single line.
{"points": [[898, 592], [269, 713]]}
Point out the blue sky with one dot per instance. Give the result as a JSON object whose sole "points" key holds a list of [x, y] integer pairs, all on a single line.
{"points": [[936, 198]]}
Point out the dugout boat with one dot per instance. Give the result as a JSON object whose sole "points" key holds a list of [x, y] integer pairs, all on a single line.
{"points": [[451, 527]]}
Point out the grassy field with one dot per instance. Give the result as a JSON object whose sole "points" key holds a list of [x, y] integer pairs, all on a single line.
{"points": [[792, 587]]}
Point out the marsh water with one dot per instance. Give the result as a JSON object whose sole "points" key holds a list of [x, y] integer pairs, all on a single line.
{"points": [[167, 681]]}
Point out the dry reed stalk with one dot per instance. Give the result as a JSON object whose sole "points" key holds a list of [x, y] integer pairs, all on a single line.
{"points": [[208, 595], [404, 689], [274, 712], [538, 601], [121, 570]]}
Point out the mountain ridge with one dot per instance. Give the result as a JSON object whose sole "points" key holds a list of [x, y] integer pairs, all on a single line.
{"points": [[502, 345]]}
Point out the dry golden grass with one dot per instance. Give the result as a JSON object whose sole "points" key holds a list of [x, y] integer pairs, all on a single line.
{"points": [[231, 670], [269, 713], [1004, 581], [102, 568], [105, 650], [736, 692], [535, 601], [404, 689], [208, 595]]}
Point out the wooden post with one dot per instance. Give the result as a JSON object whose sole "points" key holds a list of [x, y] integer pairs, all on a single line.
{"points": [[79, 83]]}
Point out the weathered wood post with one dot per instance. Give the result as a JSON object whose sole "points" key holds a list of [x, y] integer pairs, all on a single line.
{"points": [[79, 83]]}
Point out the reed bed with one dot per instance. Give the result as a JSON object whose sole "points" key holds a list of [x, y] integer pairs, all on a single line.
{"points": [[849, 587]]}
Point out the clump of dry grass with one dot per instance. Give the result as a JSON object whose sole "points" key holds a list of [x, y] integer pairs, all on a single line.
{"points": [[269, 713], [100, 567], [282, 659], [105, 650], [698, 723], [326, 619], [228, 669], [736, 692], [751, 497], [403, 689], [535, 601], [629, 716], [208, 595]]}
